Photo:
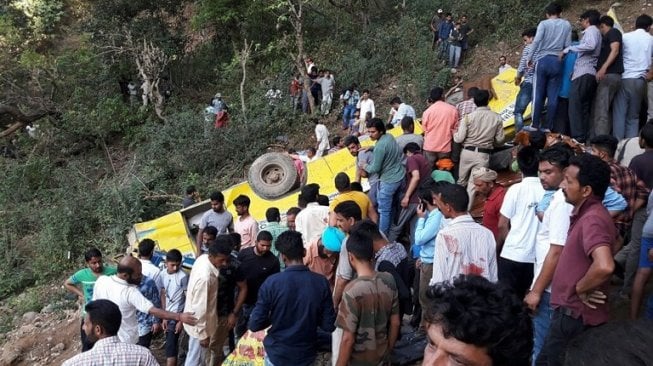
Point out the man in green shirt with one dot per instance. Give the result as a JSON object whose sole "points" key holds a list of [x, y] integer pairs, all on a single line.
{"points": [[81, 284], [387, 163], [274, 227]]}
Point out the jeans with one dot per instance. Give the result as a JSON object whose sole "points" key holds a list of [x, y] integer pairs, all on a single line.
{"points": [[524, 97], [626, 107], [405, 222], [387, 192], [348, 116], [541, 323], [562, 330], [444, 49], [454, 56], [197, 355], [581, 96], [546, 85], [605, 93]]}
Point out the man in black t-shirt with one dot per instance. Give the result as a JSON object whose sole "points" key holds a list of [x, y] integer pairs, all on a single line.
{"points": [[609, 69], [257, 263]]}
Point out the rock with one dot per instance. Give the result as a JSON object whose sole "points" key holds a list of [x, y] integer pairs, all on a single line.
{"points": [[10, 357], [58, 348], [47, 309], [30, 316]]}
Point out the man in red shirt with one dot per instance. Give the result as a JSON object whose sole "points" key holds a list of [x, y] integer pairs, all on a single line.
{"points": [[439, 123], [485, 185], [583, 272]]}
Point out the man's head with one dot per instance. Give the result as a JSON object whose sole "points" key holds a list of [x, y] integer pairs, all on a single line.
{"points": [[604, 146], [365, 94], [481, 98], [395, 102], [130, 270], [352, 144], [553, 10], [342, 182], [93, 258], [331, 241], [585, 177], [291, 215], [475, 322], [102, 320], [589, 18], [290, 246], [452, 200], [448, 17], [643, 22], [457, 25], [646, 136], [146, 248], [337, 142], [360, 248], [219, 251], [553, 162], [484, 180], [502, 60], [375, 128], [263, 243], [435, 95], [471, 92], [173, 261], [411, 149], [527, 160], [606, 23], [311, 152], [347, 214], [272, 214], [528, 35], [191, 191], [408, 124], [463, 18], [369, 228], [209, 233], [310, 192], [236, 239], [217, 201]]}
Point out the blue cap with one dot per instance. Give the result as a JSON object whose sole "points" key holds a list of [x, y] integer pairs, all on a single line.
{"points": [[332, 239]]}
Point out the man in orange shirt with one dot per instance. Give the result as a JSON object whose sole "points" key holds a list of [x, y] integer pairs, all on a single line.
{"points": [[439, 122]]}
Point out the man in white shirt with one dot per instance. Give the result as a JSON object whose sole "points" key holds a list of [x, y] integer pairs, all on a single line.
{"points": [[503, 64], [366, 104], [202, 297], [518, 225], [463, 246], [122, 289], [402, 110], [637, 52], [327, 83], [551, 238], [145, 250], [313, 219], [322, 138]]}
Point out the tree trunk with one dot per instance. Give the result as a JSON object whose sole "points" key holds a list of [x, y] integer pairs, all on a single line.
{"points": [[243, 58], [296, 20]]}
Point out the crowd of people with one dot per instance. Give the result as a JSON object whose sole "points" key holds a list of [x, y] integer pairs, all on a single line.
{"points": [[528, 283]]}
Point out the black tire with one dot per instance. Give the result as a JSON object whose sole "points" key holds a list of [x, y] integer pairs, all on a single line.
{"points": [[272, 175]]}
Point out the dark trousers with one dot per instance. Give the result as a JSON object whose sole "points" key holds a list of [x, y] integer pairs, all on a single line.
{"points": [[516, 275], [241, 324], [145, 340], [86, 344], [546, 86], [562, 330], [581, 97]]}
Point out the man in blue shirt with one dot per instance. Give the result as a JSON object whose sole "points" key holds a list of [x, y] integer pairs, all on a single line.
{"points": [[295, 303], [444, 29]]}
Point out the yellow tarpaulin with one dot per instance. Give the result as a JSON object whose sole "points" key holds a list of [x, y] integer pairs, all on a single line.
{"points": [[504, 103]]}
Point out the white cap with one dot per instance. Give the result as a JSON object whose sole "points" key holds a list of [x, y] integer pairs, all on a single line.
{"points": [[440, 11], [218, 95]]}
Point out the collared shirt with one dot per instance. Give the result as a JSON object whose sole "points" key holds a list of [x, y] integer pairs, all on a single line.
{"points": [[588, 51], [248, 230], [111, 351], [625, 182], [201, 298], [367, 157], [324, 266], [552, 36], [638, 49], [151, 292], [523, 69], [322, 137], [86, 279], [464, 247], [426, 230], [366, 105], [504, 68], [128, 299], [151, 271], [465, 107], [590, 227], [294, 304], [439, 123], [311, 221], [352, 97], [482, 128], [519, 205], [492, 208], [392, 252], [387, 160], [275, 228], [444, 28], [403, 111]]}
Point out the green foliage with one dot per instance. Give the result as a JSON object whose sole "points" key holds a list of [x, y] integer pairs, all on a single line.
{"points": [[41, 16]]}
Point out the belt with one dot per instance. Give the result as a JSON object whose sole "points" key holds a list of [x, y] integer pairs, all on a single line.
{"points": [[566, 311], [478, 149]]}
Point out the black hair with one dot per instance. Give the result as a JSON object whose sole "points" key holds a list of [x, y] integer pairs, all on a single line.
{"points": [[264, 235], [553, 9], [293, 211], [235, 240], [448, 15], [537, 139], [356, 186], [607, 20], [272, 214], [323, 200], [92, 253], [351, 139], [606, 143], [395, 100], [242, 200], [481, 98], [574, 35], [528, 161], [643, 22], [557, 155], [336, 140], [412, 147], [211, 230], [312, 149], [315, 120], [435, 94], [530, 32], [190, 190], [349, 209], [217, 196], [592, 15], [488, 315], [407, 123], [646, 134], [342, 181], [360, 245], [220, 246], [593, 172], [174, 255], [455, 196], [290, 244], [368, 227], [310, 192], [121, 268], [376, 123], [472, 91], [106, 314], [146, 247]]}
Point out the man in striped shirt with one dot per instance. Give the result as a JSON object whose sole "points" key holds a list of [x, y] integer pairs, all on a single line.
{"points": [[524, 79]]}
